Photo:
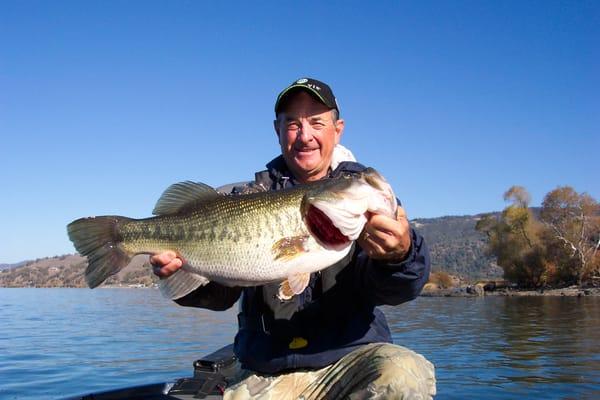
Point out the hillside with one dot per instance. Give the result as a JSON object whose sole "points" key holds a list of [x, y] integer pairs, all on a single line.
{"points": [[455, 246], [67, 271], [10, 266]]}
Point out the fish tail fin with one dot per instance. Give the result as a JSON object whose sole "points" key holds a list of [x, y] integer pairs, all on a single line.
{"points": [[98, 239]]}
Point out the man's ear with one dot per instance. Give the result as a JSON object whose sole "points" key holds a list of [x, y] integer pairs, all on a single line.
{"points": [[339, 130], [276, 127]]}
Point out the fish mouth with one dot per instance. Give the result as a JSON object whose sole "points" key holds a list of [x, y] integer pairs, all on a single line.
{"points": [[324, 230], [336, 213]]}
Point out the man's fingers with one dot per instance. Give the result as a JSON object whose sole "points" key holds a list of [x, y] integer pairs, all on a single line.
{"points": [[163, 258], [371, 247], [169, 269], [386, 238], [385, 231], [174, 265], [384, 223], [165, 264]]}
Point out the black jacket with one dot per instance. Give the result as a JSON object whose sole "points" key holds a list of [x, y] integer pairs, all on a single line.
{"points": [[334, 315]]}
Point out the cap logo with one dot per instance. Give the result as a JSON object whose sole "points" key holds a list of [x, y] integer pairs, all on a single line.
{"points": [[301, 81], [313, 86]]}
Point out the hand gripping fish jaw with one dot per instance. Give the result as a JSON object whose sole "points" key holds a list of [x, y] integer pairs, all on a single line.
{"points": [[336, 213]]}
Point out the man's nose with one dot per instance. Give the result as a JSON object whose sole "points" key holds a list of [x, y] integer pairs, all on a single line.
{"points": [[304, 132]]}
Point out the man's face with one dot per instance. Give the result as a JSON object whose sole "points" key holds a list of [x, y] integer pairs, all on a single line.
{"points": [[307, 136]]}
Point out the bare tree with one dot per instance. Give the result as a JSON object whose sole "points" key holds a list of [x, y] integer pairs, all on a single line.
{"points": [[574, 220]]}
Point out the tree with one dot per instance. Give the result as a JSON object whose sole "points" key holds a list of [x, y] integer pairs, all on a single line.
{"points": [[574, 222], [514, 238], [517, 215]]}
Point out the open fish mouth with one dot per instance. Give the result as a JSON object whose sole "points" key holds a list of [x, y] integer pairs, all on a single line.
{"points": [[336, 216], [324, 229]]}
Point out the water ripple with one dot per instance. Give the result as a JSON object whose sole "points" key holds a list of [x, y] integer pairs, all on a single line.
{"points": [[60, 342]]}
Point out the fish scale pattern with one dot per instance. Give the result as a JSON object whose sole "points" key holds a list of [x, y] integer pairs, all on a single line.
{"points": [[231, 238]]}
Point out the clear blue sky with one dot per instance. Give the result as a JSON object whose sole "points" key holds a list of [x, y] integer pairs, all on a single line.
{"points": [[103, 104]]}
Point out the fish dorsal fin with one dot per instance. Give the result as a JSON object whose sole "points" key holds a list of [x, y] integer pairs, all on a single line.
{"points": [[182, 194]]}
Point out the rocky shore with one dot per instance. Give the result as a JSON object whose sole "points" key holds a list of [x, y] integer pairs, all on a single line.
{"points": [[487, 289]]}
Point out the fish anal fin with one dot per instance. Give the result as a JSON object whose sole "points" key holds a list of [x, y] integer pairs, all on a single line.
{"points": [[293, 285], [180, 284], [288, 248], [180, 195]]}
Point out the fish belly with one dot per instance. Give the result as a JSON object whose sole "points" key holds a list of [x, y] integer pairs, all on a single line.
{"points": [[252, 267]]}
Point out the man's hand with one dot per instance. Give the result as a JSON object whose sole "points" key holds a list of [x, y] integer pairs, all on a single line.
{"points": [[385, 238], [165, 264]]}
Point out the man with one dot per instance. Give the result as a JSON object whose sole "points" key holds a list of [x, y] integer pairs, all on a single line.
{"points": [[330, 341]]}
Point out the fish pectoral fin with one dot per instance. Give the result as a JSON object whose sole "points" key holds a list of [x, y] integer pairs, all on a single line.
{"points": [[180, 284], [298, 282], [289, 248], [293, 285]]}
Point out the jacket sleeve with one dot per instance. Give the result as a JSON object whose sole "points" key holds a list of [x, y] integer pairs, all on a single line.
{"points": [[394, 283], [212, 296]]}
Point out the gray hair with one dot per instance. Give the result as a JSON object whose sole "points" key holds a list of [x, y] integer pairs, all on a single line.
{"points": [[335, 115]]}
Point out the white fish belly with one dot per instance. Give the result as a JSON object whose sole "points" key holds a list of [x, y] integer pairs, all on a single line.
{"points": [[260, 266]]}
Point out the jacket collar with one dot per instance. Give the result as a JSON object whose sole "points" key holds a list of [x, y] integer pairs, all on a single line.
{"points": [[280, 173], [278, 168]]}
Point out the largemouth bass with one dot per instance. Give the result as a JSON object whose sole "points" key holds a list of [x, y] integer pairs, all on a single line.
{"points": [[239, 240]]}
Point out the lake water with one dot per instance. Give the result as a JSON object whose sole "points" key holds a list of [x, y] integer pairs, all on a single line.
{"points": [[60, 342]]}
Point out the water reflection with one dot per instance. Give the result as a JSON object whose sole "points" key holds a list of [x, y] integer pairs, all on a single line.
{"points": [[550, 339], [504, 347]]}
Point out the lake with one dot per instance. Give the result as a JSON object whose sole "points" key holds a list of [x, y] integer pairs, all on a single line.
{"points": [[60, 342]]}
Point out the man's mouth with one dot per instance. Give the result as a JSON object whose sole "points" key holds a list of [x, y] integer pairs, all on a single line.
{"points": [[306, 150]]}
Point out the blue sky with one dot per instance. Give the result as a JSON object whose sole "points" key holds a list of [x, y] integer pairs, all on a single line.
{"points": [[103, 104]]}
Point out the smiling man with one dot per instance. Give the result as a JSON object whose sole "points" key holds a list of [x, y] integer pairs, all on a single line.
{"points": [[308, 131], [331, 341]]}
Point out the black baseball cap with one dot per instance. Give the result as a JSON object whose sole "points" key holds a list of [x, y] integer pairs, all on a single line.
{"points": [[320, 90]]}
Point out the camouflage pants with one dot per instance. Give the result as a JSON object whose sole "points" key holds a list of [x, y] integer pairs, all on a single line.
{"points": [[374, 371]]}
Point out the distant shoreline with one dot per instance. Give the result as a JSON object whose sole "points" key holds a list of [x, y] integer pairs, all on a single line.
{"points": [[81, 287], [462, 291], [472, 291]]}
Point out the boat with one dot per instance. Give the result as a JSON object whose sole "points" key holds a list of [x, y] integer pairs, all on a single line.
{"points": [[209, 380]]}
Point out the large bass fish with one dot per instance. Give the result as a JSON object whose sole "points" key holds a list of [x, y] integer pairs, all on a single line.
{"points": [[239, 240]]}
